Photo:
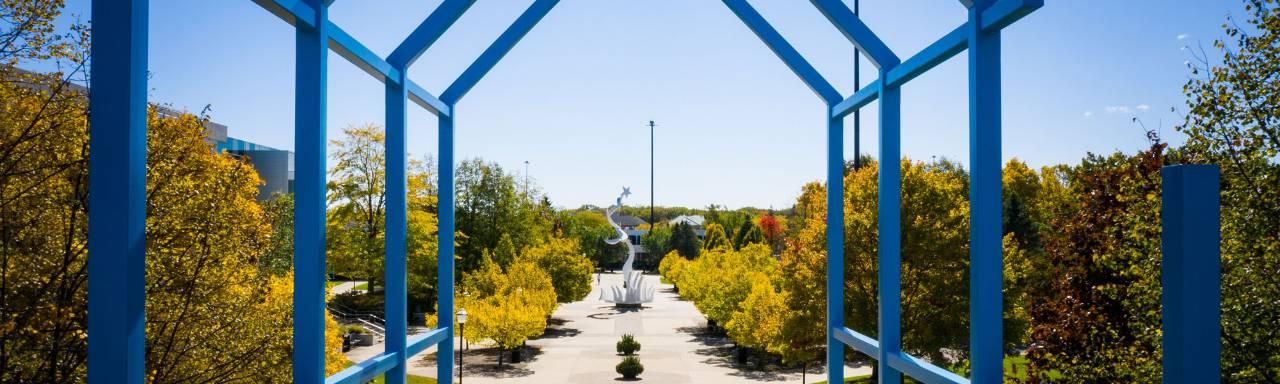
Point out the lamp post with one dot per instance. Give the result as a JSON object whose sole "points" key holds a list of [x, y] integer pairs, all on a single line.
{"points": [[462, 333]]}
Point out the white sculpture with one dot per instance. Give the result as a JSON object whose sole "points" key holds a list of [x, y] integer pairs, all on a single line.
{"points": [[634, 290]]}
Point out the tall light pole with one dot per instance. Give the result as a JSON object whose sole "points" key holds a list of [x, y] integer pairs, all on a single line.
{"points": [[857, 113], [526, 179], [651, 222], [462, 334], [651, 125]]}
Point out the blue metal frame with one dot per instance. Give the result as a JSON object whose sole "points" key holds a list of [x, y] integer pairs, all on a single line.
{"points": [[118, 169], [1191, 274], [117, 192]]}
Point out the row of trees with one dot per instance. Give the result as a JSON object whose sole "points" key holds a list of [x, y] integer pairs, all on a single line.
{"points": [[218, 307], [1081, 247]]}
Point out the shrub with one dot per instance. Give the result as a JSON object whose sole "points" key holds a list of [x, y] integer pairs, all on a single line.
{"points": [[359, 302], [356, 329], [630, 367], [628, 345]]}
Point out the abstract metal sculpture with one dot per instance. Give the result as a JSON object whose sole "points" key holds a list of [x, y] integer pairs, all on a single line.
{"points": [[634, 290]]}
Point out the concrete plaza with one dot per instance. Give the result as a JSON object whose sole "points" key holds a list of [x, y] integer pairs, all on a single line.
{"points": [[579, 348]]}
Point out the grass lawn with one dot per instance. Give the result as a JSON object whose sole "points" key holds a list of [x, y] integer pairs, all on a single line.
{"points": [[1016, 367], [361, 287], [330, 284]]}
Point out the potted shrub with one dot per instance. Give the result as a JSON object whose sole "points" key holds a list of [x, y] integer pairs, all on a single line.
{"points": [[628, 345], [630, 367]]}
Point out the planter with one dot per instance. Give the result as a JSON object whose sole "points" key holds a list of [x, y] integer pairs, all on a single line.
{"points": [[361, 339]]}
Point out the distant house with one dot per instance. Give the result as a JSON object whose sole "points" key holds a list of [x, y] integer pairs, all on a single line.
{"points": [[695, 221], [631, 225]]}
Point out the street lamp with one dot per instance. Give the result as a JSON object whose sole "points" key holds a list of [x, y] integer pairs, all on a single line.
{"points": [[462, 333]]}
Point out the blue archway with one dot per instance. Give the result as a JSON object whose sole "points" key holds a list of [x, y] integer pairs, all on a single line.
{"points": [[117, 185]]}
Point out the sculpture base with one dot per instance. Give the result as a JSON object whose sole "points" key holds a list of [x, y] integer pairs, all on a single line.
{"points": [[628, 305]]}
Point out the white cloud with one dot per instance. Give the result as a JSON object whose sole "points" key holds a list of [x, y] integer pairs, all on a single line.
{"points": [[1118, 109], [1183, 36], [1088, 114], [1143, 107]]}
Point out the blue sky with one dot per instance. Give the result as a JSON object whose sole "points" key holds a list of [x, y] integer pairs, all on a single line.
{"points": [[735, 127]]}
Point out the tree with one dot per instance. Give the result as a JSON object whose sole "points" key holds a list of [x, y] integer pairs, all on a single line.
{"points": [[357, 215], [1232, 121], [773, 228], [507, 308], [356, 193], [658, 241], [716, 238], [1099, 319], [489, 205], [591, 229], [278, 257], [685, 240], [563, 261]]}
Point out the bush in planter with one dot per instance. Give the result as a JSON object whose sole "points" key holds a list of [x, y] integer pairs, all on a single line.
{"points": [[628, 345], [350, 329], [630, 367]]}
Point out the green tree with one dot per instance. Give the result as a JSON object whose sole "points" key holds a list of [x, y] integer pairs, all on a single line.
{"points": [[658, 241], [1232, 121], [685, 240], [355, 228], [490, 205], [563, 261], [716, 238], [277, 259], [591, 229]]}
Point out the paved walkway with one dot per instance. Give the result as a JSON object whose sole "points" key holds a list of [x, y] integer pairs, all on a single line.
{"points": [[344, 287], [579, 348]]}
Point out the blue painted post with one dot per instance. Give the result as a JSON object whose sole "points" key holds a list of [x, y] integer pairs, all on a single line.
{"points": [[890, 212], [444, 304], [985, 257], [1191, 273], [397, 226], [311, 70], [835, 248], [117, 192]]}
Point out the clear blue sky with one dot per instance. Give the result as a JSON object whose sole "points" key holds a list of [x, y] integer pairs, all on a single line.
{"points": [[736, 128]]}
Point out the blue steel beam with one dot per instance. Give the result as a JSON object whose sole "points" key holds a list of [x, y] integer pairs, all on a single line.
{"points": [[297, 13], [422, 341], [351, 49], [860, 99], [857, 32], [311, 69], [445, 245], [428, 32], [835, 249], [784, 51], [931, 56], [1191, 274], [986, 271], [1006, 12], [923, 371], [496, 51], [359, 55], [1002, 14], [117, 193], [428, 101], [365, 371], [396, 233], [861, 343], [889, 226]]}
